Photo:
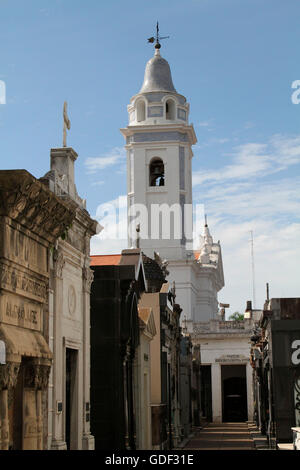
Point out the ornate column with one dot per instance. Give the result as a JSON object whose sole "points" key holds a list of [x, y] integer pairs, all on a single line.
{"points": [[249, 391], [58, 441], [88, 442], [36, 376], [126, 418], [8, 380]]}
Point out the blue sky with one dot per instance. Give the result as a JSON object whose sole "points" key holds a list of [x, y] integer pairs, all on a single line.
{"points": [[234, 60]]}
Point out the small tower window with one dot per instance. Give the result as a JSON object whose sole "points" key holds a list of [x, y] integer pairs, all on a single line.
{"points": [[157, 173], [141, 111], [170, 110]]}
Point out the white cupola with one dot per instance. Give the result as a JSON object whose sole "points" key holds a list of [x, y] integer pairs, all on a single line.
{"points": [[157, 101]]}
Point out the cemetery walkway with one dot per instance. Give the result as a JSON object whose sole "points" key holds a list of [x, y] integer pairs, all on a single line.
{"points": [[222, 436]]}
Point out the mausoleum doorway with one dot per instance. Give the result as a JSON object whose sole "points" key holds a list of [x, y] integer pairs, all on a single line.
{"points": [[234, 393], [206, 393], [71, 398]]}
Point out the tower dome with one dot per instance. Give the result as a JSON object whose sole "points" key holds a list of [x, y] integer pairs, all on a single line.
{"points": [[157, 75]]}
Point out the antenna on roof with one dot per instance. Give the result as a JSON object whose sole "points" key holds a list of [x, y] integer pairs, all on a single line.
{"points": [[157, 38], [268, 294], [252, 265]]}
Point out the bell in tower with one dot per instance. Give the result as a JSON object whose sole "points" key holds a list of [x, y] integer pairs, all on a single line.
{"points": [[156, 173]]}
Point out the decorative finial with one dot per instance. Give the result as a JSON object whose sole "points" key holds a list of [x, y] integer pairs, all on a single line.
{"points": [[207, 236], [174, 290], [67, 125], [163, 264], [158, 38]]}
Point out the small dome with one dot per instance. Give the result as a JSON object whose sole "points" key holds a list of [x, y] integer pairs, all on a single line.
{"points": [[157, 75]]}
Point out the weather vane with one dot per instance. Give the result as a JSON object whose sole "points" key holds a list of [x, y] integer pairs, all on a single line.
{"points": [[158, 38]]}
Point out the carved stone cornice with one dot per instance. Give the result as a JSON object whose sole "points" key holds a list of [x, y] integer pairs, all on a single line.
{"points": [[36, 375], [29, 202], [90, 225], [59, 262], [13, 279], [88, 277], [9, 375]]}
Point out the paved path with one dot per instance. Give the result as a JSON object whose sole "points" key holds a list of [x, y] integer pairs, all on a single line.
{"points": [[222, 436]]}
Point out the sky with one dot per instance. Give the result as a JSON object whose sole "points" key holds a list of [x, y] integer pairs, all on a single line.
{"points": [[235, 62]]}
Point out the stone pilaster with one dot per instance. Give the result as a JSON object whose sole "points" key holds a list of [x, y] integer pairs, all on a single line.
{"points": [[88, 441], [36, 376], [8, 380], [216, 386]]}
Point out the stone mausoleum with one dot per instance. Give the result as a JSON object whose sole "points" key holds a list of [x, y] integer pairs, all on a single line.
{"points": [[69, 313], [32, 218]]}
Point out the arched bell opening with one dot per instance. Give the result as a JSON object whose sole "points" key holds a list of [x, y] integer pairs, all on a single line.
{"points": [[141, 111], [157, 173], [170, 110]]}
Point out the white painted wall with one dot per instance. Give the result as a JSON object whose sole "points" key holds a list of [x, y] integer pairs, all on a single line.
{"points": [[212, 351]]}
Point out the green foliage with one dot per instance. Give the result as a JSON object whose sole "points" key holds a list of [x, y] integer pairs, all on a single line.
{"points": [[236, 316], [64, 235]]}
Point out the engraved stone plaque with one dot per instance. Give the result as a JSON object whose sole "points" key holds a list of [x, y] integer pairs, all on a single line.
{"points": [[16, 311], [72, 300]]}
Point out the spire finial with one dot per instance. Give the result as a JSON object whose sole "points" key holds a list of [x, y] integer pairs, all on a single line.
{"points": [[157, 38], [207, 236]]}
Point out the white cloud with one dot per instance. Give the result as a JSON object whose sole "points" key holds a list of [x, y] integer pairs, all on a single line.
{"points": [[270, 211], [250, 194], [207, 125], [244, 200], [2, 92], [255, 160], [287, 151], [112, 215], [210, 142], [248, 160], [107, 247], [276, 255], [114, 157]]}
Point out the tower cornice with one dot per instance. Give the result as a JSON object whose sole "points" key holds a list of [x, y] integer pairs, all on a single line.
{"points": [[184, 129], [161, 95]]}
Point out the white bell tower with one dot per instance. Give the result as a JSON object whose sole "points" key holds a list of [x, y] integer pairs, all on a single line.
{"points": [[159, 143]]}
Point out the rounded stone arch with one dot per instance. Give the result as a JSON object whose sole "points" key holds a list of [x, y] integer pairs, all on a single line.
{"points": [[156, 172], [140, 109], [170, 107]]}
